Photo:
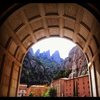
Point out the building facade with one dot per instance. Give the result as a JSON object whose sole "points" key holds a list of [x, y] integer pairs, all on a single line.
{"points": [[36, 90], [22, 90], [68, 87]]}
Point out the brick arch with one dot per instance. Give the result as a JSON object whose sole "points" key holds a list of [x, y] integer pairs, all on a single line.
{"points": [[33, 22]]}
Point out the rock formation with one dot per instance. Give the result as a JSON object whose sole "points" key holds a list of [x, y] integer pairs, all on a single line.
{"points": [[76, 62]]}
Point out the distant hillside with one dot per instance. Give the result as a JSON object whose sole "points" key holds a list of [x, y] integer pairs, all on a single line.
{"points": [[41, 68]]}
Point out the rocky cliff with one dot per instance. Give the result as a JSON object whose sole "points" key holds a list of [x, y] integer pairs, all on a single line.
{"points": [[76, 62]]}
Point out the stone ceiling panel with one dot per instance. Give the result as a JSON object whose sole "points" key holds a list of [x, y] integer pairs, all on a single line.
{"points": [[70, 10], [69, 23], [16, 21], [36, 25], [31, 11], [22, 33], [28, 41], [54, 31], [51, 9], [53, 22], [67, 33], [84, 32], [80, 41], [87, 18], [40, 34], [4, 36], [12, 47]]}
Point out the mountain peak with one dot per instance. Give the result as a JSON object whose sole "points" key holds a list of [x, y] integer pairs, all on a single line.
{"points": [[56, 56], [31, 51], [56, 53], [48, 53], [37, 52]]}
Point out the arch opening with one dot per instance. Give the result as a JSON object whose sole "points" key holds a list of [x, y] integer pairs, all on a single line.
{"points": [[58, 57], [23, 28]]}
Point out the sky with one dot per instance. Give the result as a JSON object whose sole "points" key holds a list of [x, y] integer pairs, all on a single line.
{"points": [[54, 43]]}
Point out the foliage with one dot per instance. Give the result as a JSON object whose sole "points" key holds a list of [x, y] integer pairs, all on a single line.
{"points": [[62, 73], [52, 92], [46, 94], [30, 95]]}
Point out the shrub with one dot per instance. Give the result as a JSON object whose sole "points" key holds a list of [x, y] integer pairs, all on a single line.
{"points": [[30, 95], [46, 94], [52, 92]]}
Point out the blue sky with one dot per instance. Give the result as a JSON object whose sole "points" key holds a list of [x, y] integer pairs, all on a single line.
{"points": [[54, 43]]}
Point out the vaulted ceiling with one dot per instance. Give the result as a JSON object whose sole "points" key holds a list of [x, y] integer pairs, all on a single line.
{"points": [[35, 21]]}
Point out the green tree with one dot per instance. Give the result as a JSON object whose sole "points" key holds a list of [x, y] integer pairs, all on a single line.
{"points": [[46, 94], [52, 92], [30, 95]]}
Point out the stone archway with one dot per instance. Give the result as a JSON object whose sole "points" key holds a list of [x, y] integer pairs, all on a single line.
{"points": [[34, 21]]}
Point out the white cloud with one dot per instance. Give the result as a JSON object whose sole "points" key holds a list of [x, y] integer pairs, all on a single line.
{"points": [[54, 43]]}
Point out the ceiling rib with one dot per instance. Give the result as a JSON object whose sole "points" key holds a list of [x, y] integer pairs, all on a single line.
{"points": [[79, 17], [42, 13], [15, 38], [29, 26], [88, 39], [94, 57], [61, 13], [9, 55]]}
